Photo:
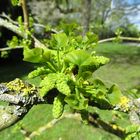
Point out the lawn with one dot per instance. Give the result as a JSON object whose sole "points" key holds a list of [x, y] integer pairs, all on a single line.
{"points": [[124, 66], [123, 69]]}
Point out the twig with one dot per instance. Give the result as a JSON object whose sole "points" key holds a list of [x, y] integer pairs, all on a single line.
{"points": [[8, 48], [25, 14], [15, 29], [122, 38], [8, 18], [12, 27]]}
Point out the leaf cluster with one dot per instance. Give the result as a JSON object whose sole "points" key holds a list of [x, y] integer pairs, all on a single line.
{"points": [[67, 67]]}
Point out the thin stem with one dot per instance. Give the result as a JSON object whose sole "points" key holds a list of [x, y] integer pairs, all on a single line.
{"points": [[25, 14], [58, 59], [8, 48]]}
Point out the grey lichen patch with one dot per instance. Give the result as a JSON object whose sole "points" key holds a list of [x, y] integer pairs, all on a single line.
{"points": [[7, 118]]}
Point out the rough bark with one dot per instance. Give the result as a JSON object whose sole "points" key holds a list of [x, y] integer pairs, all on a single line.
{"points": [[86, 15]]}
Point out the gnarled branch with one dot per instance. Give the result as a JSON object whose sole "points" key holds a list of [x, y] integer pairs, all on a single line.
{"points": [[15, 28]]}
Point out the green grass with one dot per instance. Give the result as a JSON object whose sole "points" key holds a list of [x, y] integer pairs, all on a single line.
{"points": [[124, 70], [66, 129], [118, 49], [124, 66]]}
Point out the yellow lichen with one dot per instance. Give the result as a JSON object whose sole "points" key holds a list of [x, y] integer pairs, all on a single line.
{"points": [[20, 87], [124, 103]]}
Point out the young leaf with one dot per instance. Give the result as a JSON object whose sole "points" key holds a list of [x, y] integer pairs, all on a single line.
{"points": [[85, 60], [78, 57], [114, 95], [39, 71], [76, 103], [36, 55], [61, 40], [15, 2]]}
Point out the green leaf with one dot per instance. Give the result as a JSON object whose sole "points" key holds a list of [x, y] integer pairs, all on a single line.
{"points": [[85, 61], [132, 128], [36, 55], [68, 28], [86, 75], [114, 95], [33, 55], [39, 71], [76, 103], [61, 40], [100, 85], [15, 2], [78, 57], [92, 38], [13, 43]]}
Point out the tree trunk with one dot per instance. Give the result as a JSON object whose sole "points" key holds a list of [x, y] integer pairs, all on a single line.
{"points": [[86, 15]]}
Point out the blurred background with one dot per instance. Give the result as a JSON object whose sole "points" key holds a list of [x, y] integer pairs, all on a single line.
{"points": [[106, 19]]}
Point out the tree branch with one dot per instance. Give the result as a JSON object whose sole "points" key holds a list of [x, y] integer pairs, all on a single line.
{"points": [[86, 15], [16, 29], [122, 38], [9, 48], [10, 98]]}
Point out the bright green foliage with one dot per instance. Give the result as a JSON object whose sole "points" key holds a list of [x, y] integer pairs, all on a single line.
{"points": [[61, 40], [47, 84], [58, 106], [67, 64], [36, 55], [15, 2], [78, 57], [53, 80], [4, 54], [39, 71], [13, 43], [76, 102], [133, 132], [68, 67], [62, 84], [114, 95], [86, 62]]}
